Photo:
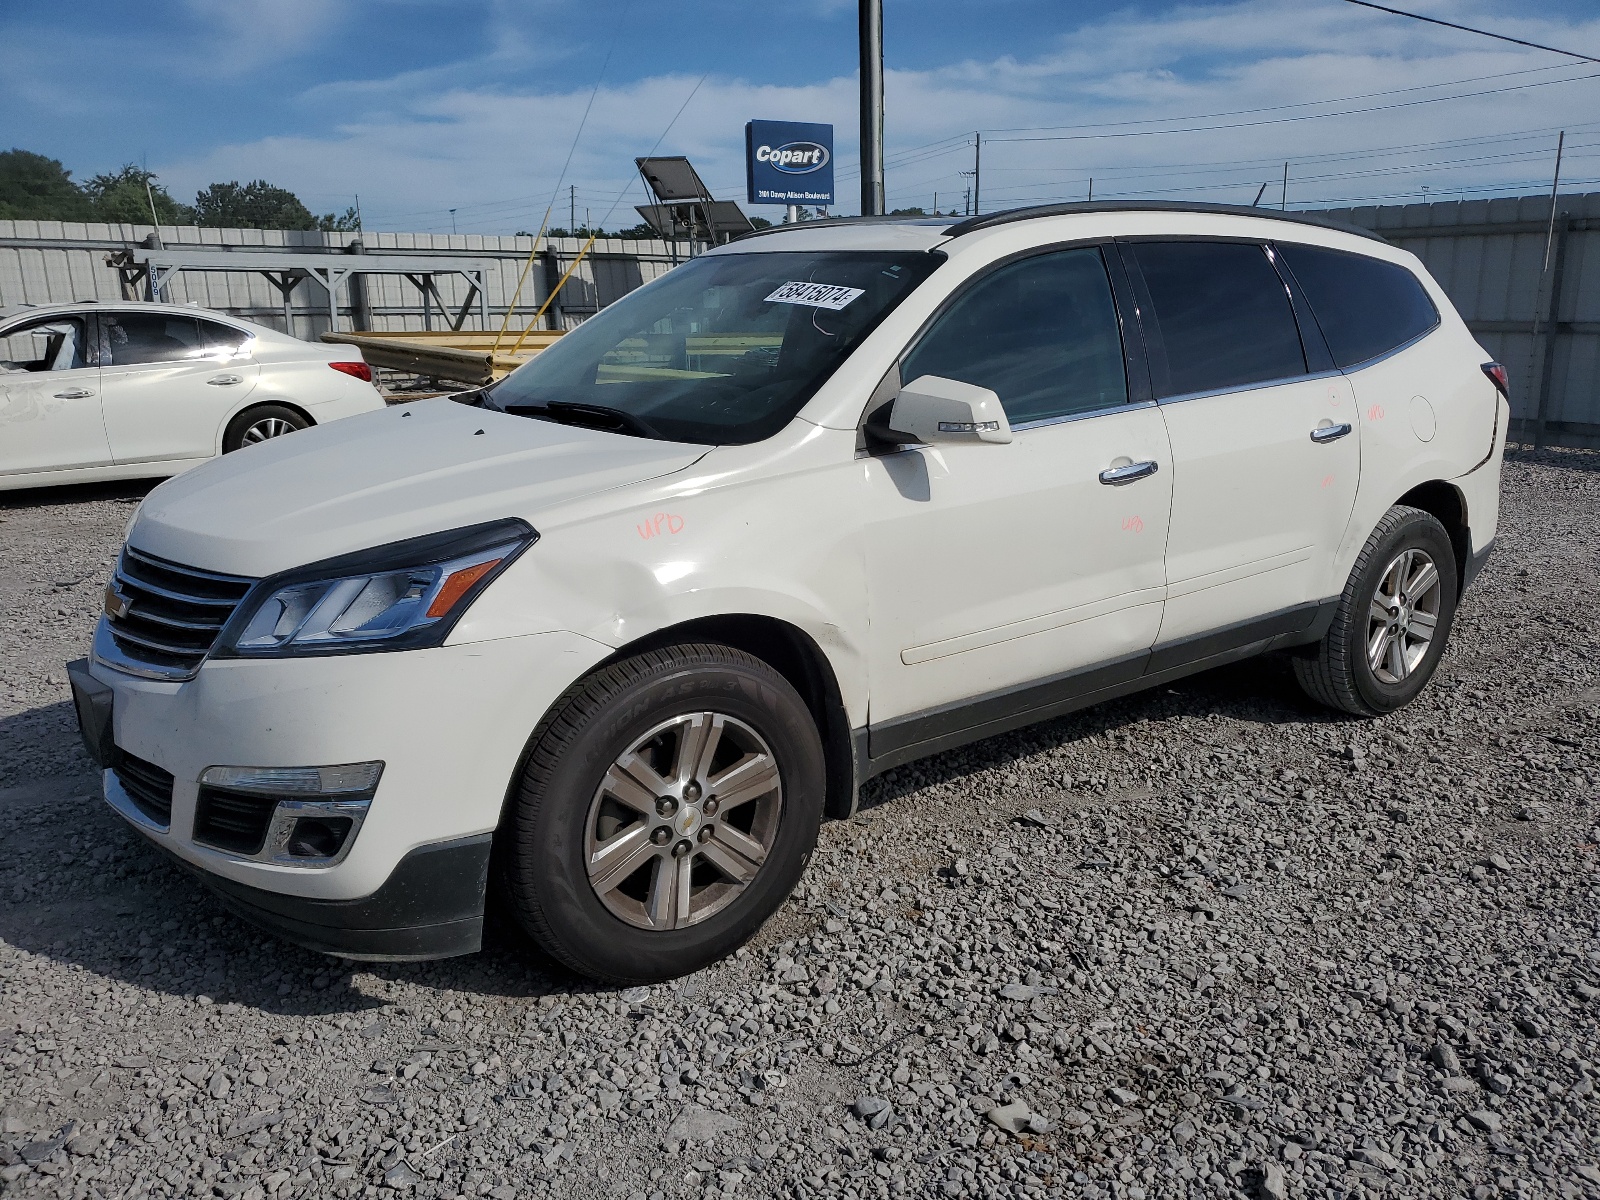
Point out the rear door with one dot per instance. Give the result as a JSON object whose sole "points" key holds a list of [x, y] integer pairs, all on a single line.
{"points": [[167, 387], [50, 397], [1265, 466]]}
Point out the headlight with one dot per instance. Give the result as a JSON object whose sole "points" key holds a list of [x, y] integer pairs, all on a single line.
{"points": [[397, 597]]}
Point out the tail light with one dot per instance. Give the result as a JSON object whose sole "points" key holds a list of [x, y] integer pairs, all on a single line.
{"points": [[1497, 376], [361, 371]]}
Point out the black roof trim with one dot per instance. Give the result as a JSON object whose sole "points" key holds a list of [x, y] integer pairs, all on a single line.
{"points": [[989, 220]]}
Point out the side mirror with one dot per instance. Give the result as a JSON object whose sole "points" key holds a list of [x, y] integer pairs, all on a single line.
{"points": [[933, 409]]}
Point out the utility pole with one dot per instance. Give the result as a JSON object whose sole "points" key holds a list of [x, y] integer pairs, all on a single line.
{"points": [[870, 14], [452, 220], [977, 173], [358, 212], [1091, 189], [572, 208], [1283, 200]]}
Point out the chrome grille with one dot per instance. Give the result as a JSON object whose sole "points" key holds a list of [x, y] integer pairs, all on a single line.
{"points": [[166, 615]]}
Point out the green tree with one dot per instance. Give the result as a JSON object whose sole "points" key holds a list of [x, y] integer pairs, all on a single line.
{"points": [[254, 205], [126, 195], [346, 222], [36, 188]]}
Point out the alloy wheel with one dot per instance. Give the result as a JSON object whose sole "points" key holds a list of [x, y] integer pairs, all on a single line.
{"points": [[1403, 617], [683, 821], [267, 427]]}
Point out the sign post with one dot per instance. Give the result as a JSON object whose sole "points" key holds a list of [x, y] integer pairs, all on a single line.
{"points": [[788, 162]]}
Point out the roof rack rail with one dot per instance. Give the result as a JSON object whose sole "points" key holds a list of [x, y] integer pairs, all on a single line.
{"points": [[1006, 217], [825, 222]]}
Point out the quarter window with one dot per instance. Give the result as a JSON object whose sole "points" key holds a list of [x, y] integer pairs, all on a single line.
{"points": [[220, 339], [1042, 334], [1365, 306], [1223, 315], [134, 338]]}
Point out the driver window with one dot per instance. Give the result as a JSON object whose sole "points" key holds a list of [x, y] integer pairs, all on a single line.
{"points": [[1041, 333], [49, 344]]}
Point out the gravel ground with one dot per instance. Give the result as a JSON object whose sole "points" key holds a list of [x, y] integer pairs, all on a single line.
{"points": [[1210, 941]]}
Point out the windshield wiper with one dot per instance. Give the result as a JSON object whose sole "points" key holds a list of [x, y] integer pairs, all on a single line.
{"points": [[591, 416]]}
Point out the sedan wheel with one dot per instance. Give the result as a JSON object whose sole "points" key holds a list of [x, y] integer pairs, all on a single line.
{"points": [[267, 427]]}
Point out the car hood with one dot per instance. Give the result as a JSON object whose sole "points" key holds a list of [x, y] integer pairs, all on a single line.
{"points": [[380, 477]]}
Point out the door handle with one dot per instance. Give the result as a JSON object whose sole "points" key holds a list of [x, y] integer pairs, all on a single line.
{"points": [[224, 380], [1329, 433], [74, 394], [1117, 476]]}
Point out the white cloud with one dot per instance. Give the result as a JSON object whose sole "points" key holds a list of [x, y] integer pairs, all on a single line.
{"points": [[424, 143]]}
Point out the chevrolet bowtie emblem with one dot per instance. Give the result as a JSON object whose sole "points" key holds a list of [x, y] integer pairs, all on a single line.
{"points": [[116, 604]]}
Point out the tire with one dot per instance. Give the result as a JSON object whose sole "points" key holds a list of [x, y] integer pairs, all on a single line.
{"points": [[606, 777], [261, 423], [1406, 635]]}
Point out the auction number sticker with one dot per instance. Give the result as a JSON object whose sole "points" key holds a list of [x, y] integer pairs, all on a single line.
{"points": [[816, 295]]}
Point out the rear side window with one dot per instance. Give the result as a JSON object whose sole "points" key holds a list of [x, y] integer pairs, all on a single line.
{"points": [[1041, 333], [134, 338], [1223, 316], [222, 339], [1366, 306]]}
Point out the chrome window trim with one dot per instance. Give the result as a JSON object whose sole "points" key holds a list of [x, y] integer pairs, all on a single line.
{"points": [[1251, 387], [1064, 418], [1438, 324]]}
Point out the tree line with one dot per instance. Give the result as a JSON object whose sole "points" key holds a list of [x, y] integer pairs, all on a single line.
{"points": [[36, 188]]}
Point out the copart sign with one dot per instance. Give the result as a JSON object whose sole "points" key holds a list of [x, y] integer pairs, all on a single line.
{"points": [[789, 162]]}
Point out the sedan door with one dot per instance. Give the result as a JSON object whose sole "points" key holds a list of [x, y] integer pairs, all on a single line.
{"points": [[1005, 578], [167, 389], [50, 398], [1264, 469]]}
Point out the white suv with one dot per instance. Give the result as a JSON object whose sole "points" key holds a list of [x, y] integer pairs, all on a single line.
{"points": [[615, 633]]}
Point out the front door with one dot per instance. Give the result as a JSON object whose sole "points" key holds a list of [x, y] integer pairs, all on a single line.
{"points": [[49, 398], [1002, 575], [1265, 460], [168, 385]]}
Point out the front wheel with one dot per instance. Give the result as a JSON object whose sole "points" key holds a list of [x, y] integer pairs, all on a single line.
{"points": [[1392, 622], [666, 810]]}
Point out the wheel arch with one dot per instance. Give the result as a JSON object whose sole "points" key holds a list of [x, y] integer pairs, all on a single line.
{"points": [[1446, 503], [795, 655], [253, 403]]}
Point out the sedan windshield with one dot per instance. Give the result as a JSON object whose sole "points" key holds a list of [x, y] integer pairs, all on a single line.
{"points": [[723, 350]]}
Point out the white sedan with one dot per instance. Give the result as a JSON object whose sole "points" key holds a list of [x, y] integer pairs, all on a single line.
{"points": [[129, 390]]}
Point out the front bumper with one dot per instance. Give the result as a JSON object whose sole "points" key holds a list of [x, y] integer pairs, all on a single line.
{"points": [[449, 723], [431, 906]]}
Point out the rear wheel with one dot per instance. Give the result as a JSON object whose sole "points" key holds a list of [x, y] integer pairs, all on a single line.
{"points": [[666, 810], [260, 424], [1394, 617]]}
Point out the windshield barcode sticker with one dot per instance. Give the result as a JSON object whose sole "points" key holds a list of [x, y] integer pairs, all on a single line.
{"points": [[816, 295]]}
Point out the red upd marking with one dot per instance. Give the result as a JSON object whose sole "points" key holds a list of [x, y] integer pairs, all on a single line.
{"points": [[1133, 524], [661, 522], [1375, 413], [1327, 481]]}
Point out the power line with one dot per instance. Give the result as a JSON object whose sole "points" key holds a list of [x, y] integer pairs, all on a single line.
{"points": [[1499, 37]]}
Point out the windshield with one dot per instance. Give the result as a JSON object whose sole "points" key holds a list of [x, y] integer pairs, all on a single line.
{"points": [[723, 350]]}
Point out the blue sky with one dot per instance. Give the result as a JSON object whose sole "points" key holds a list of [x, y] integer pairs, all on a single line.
{"points": [[420, 106]]}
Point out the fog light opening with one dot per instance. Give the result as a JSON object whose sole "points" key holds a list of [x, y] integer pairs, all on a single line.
{"points": [[318, 837]]}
